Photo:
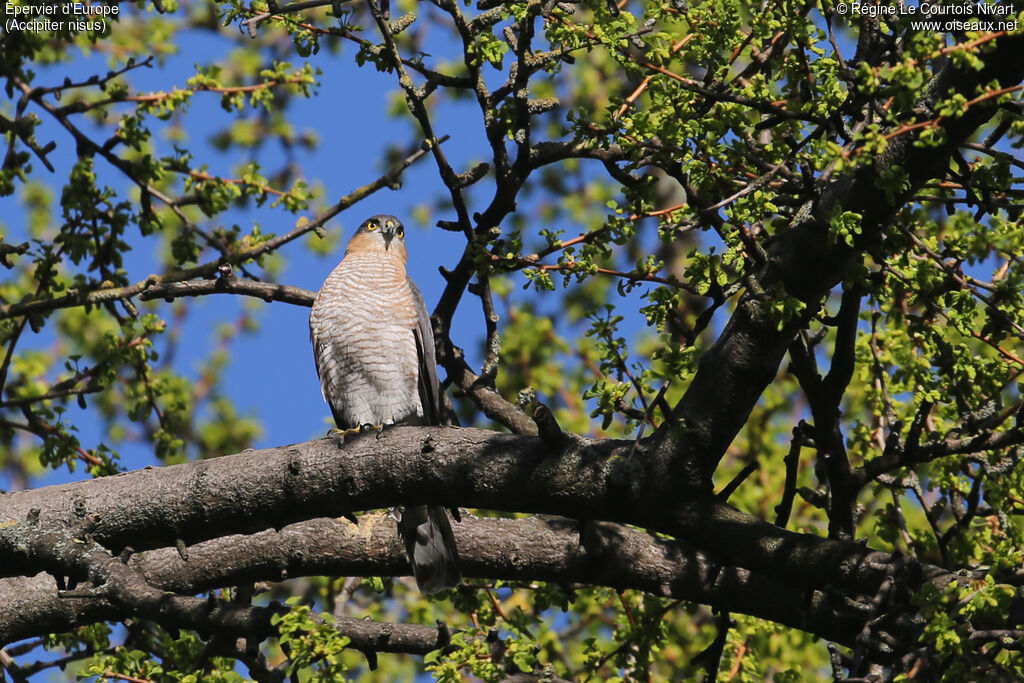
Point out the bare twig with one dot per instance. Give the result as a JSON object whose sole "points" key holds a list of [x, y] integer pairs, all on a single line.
{"points": [[104, 294]]}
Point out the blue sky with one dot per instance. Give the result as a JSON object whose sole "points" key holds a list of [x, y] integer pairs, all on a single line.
{"points": [[271, 374]]}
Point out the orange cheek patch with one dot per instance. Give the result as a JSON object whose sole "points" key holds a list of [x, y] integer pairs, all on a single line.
{"points": [[398, 247], [364, 241]]}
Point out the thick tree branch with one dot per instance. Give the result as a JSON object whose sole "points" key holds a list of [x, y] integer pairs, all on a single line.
{"points": [[546, 549], [257, 490]]}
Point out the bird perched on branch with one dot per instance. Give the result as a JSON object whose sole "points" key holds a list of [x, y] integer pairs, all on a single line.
{"points": [[374, 352]]}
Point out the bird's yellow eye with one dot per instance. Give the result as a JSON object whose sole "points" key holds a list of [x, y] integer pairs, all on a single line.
{"points": [[401, 232], [371, 226]]}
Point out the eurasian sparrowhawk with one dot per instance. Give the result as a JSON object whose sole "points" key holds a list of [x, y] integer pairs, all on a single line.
{"points": [[374, 353]]}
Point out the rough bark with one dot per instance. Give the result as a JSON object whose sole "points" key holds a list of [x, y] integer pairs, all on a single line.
{"points": [[257, 515]]}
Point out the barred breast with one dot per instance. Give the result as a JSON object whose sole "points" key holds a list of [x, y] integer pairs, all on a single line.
{"points": [[363, 343]]}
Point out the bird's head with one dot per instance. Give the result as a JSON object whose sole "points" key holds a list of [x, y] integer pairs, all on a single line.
{"points": [[379, 233]]}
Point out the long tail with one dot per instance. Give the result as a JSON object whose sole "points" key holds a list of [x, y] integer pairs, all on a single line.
{"points": [[430, 546]]}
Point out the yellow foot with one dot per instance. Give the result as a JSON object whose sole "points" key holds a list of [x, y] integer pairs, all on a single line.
{"points": [[355, 431]]}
